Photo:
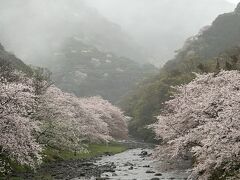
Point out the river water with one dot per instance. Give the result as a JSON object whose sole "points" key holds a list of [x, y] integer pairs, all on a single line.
{"points": [[130, 165]]}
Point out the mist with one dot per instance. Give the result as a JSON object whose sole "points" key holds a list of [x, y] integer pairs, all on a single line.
{"points": [[143, 30], [31, 28], [162, 26]]}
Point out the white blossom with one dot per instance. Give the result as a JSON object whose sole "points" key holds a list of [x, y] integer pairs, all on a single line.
{"points": [[109, 114], [203, 118], [69, 120], [17, 105]]}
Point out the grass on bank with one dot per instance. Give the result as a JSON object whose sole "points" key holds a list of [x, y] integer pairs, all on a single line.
{"points": [[54, 155], [93, 150]]}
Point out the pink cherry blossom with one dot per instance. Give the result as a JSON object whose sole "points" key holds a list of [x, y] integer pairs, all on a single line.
{"points": [[69, 120], [203, 118], [17, 104], [109, 114]]}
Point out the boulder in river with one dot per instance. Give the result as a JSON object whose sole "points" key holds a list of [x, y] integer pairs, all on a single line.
{"points": [[114, 174], [128, 164], [155, 178], [150, 172], [143, 153], [131, 168], [108, 153], [146, 166], [101, 178]]}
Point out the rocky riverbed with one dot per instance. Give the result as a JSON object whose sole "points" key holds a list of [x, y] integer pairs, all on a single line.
{"points": [[66, 170], [137, 164], [133, 164]]}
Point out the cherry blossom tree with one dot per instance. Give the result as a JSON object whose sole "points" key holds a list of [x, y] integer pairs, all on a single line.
{"points": [[35, 114], [109, 114], [17, 102], [203, 119], [67, 123]]}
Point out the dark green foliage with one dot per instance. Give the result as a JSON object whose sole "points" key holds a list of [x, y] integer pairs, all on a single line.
{"points": [[11, 166], [4, 163], [41, 79], [8, 60], [148, 99], [228, 66], [223, 174], [202, 68], [203, 53], [145, 103]]}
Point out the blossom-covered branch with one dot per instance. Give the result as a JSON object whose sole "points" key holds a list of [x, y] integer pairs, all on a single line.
{"points": [[203, 118]]}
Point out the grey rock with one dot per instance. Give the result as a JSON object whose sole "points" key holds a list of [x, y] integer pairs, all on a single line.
{"points": [[131, 168], [128, 164], [114, 174], [150, 172], [146, 166], [143, 153]]}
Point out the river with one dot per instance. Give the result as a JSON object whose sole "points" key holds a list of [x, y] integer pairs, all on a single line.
{"points": [[136, 164], [133, 164]]}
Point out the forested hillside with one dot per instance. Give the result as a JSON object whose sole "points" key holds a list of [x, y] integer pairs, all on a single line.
{"points": [[214, 47], [8, 59], [86, 71]]}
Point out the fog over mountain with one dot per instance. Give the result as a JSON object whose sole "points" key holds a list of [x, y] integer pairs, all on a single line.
{"points": [[142, 30], [35, 29], [161, 26]]}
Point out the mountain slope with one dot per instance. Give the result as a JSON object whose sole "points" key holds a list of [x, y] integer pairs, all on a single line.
{"points": [[9, 60], [198, 54], [32, 29], [86, 71], [223, 34], [74, 41]]}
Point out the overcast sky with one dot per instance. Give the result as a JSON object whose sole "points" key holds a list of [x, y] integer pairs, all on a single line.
{"points": [[162, 25], [234, 1]]}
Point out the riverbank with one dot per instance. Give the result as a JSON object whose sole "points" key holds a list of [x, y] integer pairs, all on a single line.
{"points": [[67, 165], [126, 160], [132, 164]]}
